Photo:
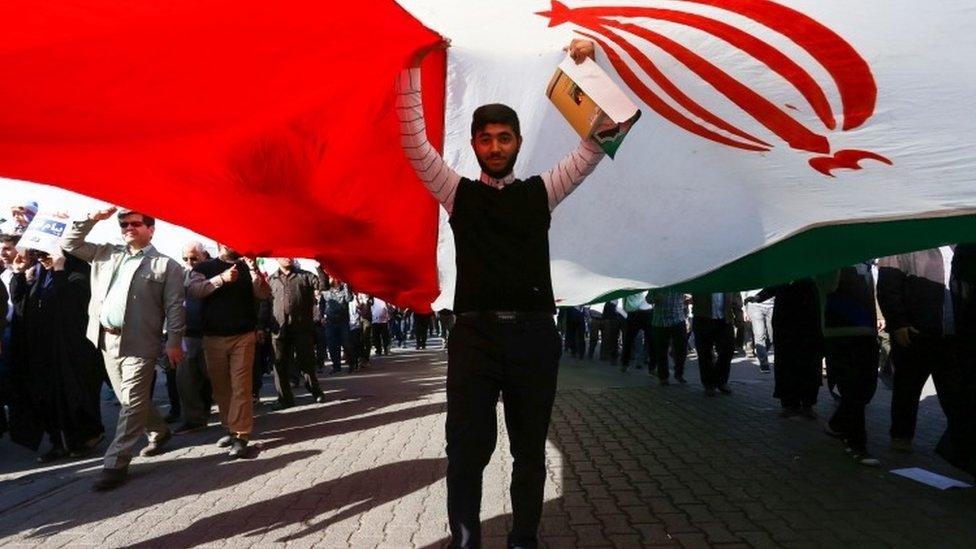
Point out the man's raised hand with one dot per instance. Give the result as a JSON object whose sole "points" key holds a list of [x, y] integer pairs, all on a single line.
{"points": [[418, 57], [580, 49], [230, 275], [101, 215]]}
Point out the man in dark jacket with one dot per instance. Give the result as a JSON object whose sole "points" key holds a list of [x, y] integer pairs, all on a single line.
{"points": [[293, 335], [713, 322], [850, 326], [334, 305], [798, 368], [228, 288], [916, 300]]}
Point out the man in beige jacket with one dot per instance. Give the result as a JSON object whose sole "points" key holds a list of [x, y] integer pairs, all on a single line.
{"points": [[135, 289]]}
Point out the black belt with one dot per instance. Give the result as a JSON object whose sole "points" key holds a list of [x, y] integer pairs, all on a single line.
{"points": [[113, 331], [505, 316]]}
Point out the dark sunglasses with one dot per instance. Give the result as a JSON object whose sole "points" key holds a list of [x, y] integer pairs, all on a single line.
{"points": [[133, 224], [191, 259]]}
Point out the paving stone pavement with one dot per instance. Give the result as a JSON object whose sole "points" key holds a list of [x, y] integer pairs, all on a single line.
{"points": [[631, 464]]}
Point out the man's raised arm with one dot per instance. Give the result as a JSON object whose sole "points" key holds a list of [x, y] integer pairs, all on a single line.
{"points": [[572, 170], [437, 176]]}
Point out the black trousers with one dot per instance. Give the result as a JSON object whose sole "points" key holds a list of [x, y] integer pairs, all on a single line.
{"points": [[675, 337], [296, 346], [718, 336], [518, 360], [798, 370], [355, 347], [421, 327], [172, 391], [610, 339], [853, 361], [925, 356], [637, 321], [575, 336], [381, 338]]}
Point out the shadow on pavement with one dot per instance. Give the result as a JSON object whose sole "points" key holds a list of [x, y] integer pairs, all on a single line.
{"points": [[344, 497]]}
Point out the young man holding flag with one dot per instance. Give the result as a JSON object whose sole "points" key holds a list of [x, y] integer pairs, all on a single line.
{"points": [[504, 340]]}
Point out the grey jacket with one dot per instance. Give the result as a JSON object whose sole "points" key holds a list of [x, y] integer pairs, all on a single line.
{"points": [[155, 295]]}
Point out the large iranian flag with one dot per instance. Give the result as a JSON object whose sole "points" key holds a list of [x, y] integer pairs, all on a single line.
{"points": [[778, 139]]}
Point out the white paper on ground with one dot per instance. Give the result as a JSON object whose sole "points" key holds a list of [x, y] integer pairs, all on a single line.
{"points": [[932, 479]]}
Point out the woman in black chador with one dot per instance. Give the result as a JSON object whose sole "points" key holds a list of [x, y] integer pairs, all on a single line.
{"points": [[55, 365]]}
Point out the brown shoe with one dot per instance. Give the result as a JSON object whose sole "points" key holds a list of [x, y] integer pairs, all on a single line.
{"points": [[110, 479], [156, 447]]}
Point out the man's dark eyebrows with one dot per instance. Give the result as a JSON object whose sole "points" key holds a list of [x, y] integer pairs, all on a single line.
{"points": [[499, 133]]}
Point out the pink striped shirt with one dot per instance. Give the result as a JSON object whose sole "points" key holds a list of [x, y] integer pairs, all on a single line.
{"points": [[442, 181]]}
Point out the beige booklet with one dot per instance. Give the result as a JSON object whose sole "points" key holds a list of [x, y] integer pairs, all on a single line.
{"points": [[592, 103]]}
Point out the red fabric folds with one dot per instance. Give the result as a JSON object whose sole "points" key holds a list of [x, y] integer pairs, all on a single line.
{"points": [[266, 125]]}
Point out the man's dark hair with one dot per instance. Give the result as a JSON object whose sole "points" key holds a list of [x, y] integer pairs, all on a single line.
{"points": [[9, 238], [149, 220], [495, 113]]}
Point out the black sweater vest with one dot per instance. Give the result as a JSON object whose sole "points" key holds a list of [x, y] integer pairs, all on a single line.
{"points": [[501, 238]]}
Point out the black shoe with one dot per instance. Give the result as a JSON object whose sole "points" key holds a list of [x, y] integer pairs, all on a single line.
{"points": [[172, 417], [187, 427], [53, 454], [664, 381], [764, 368], [725, 389], [225, 441], [238, 448], [681, 379], [156, 447], [319, 398], [109, 480], [830, 431], [279, 405], [337, 370]]}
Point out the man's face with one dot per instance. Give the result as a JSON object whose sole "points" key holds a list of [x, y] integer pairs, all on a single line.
{"points": [[135, 232], [286, 263], [19, 214], [333, 282], [497, 148], [8, 251], [192, 257]]}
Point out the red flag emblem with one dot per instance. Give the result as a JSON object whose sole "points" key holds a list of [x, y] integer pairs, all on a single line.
{"points": [[615, 29]]}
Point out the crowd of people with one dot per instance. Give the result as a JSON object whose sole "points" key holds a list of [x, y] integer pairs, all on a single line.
{"points": [[90, 315], [908, 317], [229, 324]]}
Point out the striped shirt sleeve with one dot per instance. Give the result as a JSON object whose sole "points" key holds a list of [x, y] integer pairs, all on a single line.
{"points": [[571, 171], [437, 176]]}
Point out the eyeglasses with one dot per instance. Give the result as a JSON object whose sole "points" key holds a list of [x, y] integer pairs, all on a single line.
{"points": [[133, 224]]}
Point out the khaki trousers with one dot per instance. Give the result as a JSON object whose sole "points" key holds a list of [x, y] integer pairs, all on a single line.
{"points": [[131, 378], [230, 363]]}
